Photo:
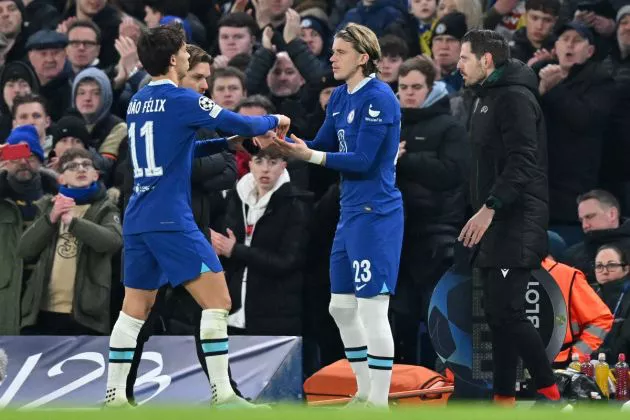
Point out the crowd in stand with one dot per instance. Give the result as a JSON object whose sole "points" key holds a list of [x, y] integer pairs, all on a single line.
{"points": [[70, 68]]}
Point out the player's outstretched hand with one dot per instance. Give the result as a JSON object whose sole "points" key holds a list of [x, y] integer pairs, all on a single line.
{"points": [[298, 149], [284, 123]]}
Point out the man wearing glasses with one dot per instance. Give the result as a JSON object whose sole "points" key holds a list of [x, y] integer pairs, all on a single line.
{"points": [[73, 238], [84, 45]]}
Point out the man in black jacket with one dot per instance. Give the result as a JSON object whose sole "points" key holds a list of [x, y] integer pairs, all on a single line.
{"points": [[576, 97], [509, 190], [432, 172]]}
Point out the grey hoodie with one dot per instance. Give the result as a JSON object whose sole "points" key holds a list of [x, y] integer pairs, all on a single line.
{"points": [[107, 96]]}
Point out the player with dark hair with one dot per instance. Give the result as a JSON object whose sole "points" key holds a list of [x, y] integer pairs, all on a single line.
{"points": [[161, 240]]}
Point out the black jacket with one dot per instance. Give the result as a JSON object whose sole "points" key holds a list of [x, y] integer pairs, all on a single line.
{"points": [[274, 262], [507, 131], [522, 49], [297, 106], [618, 338], [6, 119], [431, 175], [577, 110], [582, 255], [58, 95]]}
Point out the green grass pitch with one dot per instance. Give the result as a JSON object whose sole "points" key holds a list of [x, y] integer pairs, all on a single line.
{"points": [[463, 412]]}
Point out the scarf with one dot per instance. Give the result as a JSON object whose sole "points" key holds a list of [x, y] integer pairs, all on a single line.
{"points": [[83, 195], [24, 194]]}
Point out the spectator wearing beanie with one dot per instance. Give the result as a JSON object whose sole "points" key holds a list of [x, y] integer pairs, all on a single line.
{"points": [[70, 132], [618, 61], [27, 134], [315, 33], [47, 55], [21, 185], [17, 78], [446, 45]]}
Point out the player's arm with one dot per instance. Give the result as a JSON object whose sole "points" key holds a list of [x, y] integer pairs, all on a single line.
{"points": [[210, 146], [197, 111], [371, 135]]}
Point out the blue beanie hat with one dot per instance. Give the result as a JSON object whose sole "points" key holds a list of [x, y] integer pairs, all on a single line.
{"points": [[27, 134], [187, 29]]}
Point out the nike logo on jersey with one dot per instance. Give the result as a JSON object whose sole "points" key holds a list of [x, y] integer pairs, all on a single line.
{"points": [[505, 272], [335, 113], [373, 112], [361, 287]]}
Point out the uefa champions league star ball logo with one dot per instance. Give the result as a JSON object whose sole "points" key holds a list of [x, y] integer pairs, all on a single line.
{"points": [[341, 136], [206, 103]]}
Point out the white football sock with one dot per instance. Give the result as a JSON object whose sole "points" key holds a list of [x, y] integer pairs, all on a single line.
{"points": [[344, 310], [122, 348], [380, 344], [214, 342]]}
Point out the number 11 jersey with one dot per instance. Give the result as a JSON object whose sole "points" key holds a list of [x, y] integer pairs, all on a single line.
{"points": [[162, 120]]}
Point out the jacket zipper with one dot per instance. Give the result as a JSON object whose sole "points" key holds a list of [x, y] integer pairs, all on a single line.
{"points": [[474, 193]]}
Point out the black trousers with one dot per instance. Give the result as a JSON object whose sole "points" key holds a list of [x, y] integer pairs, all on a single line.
{"points": [[513, 335]]}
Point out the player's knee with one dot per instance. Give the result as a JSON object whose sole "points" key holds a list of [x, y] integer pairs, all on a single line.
{"points": [[373, 311], [343, 308], [137, 309]]}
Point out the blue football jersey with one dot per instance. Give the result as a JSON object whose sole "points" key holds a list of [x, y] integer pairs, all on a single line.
{"points": [[362, 132], [162, 120]]}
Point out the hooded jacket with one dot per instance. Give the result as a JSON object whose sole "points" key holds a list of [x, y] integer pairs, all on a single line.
{"points": [[431, 174], [11, 71], [107, 130], [508, 137]]}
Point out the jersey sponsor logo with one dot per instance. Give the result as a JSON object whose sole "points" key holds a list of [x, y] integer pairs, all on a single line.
{"points": [[341, 136], [351, 116], [373, 112], [373, 115], [208, 104]]}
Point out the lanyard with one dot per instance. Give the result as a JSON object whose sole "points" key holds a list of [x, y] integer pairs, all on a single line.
{"points": [[626, 286]]}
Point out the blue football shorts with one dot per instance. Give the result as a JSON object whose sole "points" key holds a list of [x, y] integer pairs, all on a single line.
{"points": [[366, 251], [152, 259]]}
